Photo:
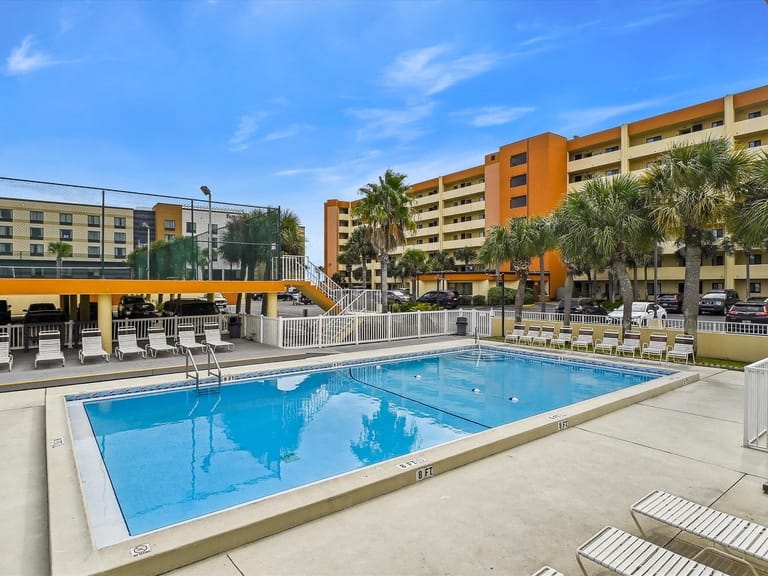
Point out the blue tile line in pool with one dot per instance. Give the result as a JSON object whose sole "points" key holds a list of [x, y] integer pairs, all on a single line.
{"points": [[529, 354]]}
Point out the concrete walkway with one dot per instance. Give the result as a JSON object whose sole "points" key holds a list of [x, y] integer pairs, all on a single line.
{"points": [[508, 514]]}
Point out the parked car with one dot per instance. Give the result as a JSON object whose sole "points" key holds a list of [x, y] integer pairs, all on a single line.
{"points": [[397, 297], [717, 301], [672, 302], [642, 313], [588, 306], [135, 306], [291, 294], [444, 298], [219, 300], [189, 307], [758, 299], [749, 316], [5, 312]]}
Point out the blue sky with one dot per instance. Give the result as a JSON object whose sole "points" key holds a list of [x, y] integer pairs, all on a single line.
{"points": [[292, 103]]}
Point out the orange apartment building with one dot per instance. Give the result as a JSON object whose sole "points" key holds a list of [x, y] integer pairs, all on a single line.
{"points": [[530, 178]]}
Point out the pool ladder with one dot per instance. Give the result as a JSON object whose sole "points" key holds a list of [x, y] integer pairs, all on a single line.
{"points": [[206, 388]]}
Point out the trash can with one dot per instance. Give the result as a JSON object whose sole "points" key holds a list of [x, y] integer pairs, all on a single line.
{"points": [[234, 326], [461, 326]]}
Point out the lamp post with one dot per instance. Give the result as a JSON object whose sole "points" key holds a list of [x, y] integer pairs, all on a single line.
{"points": [[145, 225], [207, 192]]}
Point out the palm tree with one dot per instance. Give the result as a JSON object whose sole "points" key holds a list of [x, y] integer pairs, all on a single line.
{"points": [[545, 241], [61, 250], [495, 250], [524, 243], [292, 240], [359, 249], [386, 208], [465, 254], [414, 262], [607, 218], [440, 262], [693, 186]]}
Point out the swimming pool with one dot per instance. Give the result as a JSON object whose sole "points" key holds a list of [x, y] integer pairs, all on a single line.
{"points": [[475, 404]]}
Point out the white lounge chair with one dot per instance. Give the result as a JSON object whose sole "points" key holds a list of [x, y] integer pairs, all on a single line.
{"points": [[547, 571], [682, 349], [5, 351], [213, 338], [628, 555], [515, 334], [91, 345], [609, 343], [564, 338], [583, 339], [657, 346], [49, 347], [747, 539], [545, 336], [186, 339], [126, 343], [158, 342], [630, 345], [533, 331]]}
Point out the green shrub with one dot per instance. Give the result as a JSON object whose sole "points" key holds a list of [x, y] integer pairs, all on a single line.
{"points": [[478, 300], [465, 300], [494, 296]]}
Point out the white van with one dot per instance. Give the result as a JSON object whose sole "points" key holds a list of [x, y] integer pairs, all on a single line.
{"points": [[219, 300]]}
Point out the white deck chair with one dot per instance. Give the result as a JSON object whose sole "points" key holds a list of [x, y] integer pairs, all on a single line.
{"points": [[91, 345], [126, 343], [49, 346], [657, 346], [515, 334], [5, 351], [682, 349], [547, 571], [630, 345], [158, 342], [186, 339], [583, 339], [609, 343], [213, 337], [545, 336], [747, 539], [564, 338], [533, 331], [628, 555]]}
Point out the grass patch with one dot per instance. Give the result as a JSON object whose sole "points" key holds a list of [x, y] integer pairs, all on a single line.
{"points": [[721, 363]]}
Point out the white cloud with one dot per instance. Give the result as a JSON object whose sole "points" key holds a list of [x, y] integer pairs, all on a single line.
{"points": [[431, 70], [22, 60], [246, 126], [589, 117], [380, 123], [289, 132], [494, 115]]}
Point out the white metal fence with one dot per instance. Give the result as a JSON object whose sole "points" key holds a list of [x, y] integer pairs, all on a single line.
{"points": [[756, 405], [323, 331]]}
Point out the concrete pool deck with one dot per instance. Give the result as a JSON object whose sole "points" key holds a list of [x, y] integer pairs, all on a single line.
{"points": [[509, 513]]}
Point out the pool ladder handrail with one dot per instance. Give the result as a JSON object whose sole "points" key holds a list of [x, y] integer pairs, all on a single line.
{"points": [[190, 359]]}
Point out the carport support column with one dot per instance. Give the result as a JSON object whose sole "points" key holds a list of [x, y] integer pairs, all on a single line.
{"points": [[105, 321], [84, 308], [271, 304]]}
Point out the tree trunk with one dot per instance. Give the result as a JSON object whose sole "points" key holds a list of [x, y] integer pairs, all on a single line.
{"points": [[691, 289], [541, 282], [568, 296], [748, 254], [625, 286], [634, 282], [522, 275], [384, 281]]}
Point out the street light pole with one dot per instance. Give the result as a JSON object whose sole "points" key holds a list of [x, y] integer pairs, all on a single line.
{"points": [[145, 225], [207, 192]]}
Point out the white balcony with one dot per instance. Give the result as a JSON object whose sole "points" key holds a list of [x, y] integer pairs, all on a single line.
{"points": [[464, 226], [450, 193], [461, 209], [751, 126], [654, 148], [471, 242], [595, 161]]}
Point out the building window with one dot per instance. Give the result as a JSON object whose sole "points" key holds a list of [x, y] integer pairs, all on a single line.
{"points": [[170, 237], [65, 219], [717, 285], [6, 231], [755, 287], [94, 236], [755, 258], [518, 201], [577, 156], [214, 228], [191, 227], [653, 139], [717, 123], [36, 216], [519, 180], [119, 252], [36, 250], [119, 221], [755, 114], [612, 172], [696, 128], [94, 220], [35, 233], [65, 234], [718, 260], [6, 215], [611, 149], [94, 252], [169, 224], [718, 233], [6, 249], [119, 237], [754, 143], [518, 159], [214, 243]]}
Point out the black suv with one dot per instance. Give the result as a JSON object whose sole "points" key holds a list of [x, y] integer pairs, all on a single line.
{"points": [[587, 306], [671, 302], [750, 317], [444, 298], [133, 306], [718, 301], [189, 307]]}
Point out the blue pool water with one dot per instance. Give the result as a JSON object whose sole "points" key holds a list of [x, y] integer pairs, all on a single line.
{"points": [[173, 455]]}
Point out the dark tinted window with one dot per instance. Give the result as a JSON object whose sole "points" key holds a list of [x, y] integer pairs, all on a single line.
{"points": [[754, 308]]}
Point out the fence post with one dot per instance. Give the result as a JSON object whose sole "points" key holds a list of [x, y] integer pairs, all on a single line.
{"points": [[280, 332], [389, 327]]}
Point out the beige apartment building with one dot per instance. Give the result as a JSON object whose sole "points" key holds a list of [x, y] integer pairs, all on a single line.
{"points": [[530, 177]]}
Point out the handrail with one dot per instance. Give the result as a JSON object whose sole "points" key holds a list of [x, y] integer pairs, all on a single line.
{"points": [[212, 354], [190, 358]]}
